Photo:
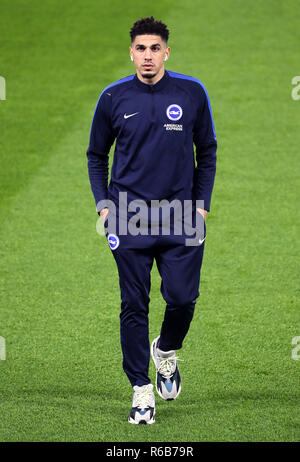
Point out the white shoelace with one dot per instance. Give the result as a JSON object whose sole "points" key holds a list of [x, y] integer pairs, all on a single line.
{"points": [[167, 366], [143, 397]]}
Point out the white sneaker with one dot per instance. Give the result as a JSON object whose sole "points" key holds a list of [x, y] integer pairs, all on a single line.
{"points": [[143, 405], [168, 380]]}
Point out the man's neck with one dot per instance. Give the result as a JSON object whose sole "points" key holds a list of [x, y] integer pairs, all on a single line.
{"points": [[154, 79]]}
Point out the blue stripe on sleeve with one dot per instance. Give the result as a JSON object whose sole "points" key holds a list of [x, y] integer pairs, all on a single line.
{"points": [[187, 77], [118, 82]]}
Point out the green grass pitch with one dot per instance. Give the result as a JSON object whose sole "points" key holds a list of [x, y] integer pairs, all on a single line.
{"points": [[62, 379]]}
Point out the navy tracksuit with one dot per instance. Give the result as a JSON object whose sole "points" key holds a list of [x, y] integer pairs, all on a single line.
{"points": [[155, 128]]}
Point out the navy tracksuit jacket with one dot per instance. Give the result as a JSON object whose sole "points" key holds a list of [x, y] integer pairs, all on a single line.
{"points": [[155, 128]]}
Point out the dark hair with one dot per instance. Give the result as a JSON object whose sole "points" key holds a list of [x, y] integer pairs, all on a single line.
{"points": [[149, 26]]}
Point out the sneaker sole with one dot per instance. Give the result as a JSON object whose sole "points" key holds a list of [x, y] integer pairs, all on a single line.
{"points": [[141, 422], [158, 391]]}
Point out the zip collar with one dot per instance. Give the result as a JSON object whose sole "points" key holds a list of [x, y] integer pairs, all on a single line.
{"points": [[153, 88]]}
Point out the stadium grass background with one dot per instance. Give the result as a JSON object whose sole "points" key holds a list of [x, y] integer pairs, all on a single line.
{"points": [[62, 379]]}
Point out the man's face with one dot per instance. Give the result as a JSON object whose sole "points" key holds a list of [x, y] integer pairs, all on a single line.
{"points": [[148, 53]]}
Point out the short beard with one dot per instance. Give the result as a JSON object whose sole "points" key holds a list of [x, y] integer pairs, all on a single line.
{"points": [[148, 76]]}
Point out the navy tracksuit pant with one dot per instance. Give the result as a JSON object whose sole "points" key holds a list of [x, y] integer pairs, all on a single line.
{"points": [[179, 267]]}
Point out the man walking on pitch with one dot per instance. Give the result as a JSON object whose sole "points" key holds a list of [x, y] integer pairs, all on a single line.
{"points": [[156, 117]]}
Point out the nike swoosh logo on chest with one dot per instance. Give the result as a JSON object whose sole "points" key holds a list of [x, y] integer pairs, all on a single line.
{"points": [[126, 116]]}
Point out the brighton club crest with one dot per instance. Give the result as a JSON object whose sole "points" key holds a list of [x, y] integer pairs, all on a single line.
{"points": [[174, 112]]}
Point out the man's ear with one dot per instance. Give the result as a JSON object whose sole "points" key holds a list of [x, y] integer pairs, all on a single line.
{"points": [[130, 53], [168, 50]]}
